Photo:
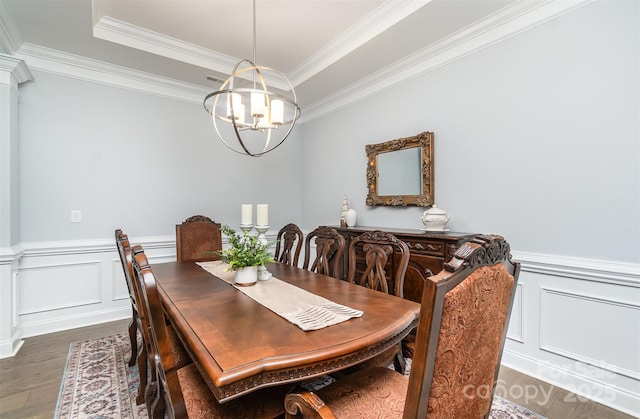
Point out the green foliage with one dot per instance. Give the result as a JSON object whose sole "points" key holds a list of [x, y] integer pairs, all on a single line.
{"points": [[245, 250]]}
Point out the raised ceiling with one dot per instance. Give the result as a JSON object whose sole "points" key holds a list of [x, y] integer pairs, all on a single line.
{"points": [[323, 46]]}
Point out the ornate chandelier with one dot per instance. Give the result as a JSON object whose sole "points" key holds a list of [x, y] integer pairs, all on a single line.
{"points": [[248, 116]]}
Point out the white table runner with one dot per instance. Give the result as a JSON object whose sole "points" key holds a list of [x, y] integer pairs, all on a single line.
{"points": [[300, 307]]}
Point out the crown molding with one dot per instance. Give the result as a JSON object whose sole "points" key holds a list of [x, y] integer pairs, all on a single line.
{"points": [[9, 36], [123, 33], [81, 68], [382, 18], [510, 21], [507, 22]]}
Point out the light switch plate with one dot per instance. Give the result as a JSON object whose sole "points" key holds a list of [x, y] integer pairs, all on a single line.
{"points": [[76, 216]]}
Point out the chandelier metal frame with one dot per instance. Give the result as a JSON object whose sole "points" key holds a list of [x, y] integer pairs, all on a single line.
{"points": [[266, 121]]}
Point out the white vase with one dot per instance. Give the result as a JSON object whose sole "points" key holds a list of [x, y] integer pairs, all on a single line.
{"points": [[351, 216], [246, 276]]}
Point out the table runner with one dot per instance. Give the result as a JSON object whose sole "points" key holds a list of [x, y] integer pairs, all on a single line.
{"points": [[300, 307]]}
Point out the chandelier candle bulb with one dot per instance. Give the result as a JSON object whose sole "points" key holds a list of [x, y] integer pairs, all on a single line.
{"points": [[263, 215], [234, 101], [264, 121], [257, 104], [247, 214], [277, 112], [239, 114]]}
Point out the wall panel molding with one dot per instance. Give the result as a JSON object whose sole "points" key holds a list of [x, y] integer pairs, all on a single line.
{"points": [[608, 272], [517, 316], [571, 304], [57, 297]]}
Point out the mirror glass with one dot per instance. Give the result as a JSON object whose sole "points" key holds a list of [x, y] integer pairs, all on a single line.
{"points": [[400, 171]]}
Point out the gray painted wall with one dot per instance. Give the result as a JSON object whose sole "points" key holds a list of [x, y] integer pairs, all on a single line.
{"points": [[536, 138], [138, 162]]}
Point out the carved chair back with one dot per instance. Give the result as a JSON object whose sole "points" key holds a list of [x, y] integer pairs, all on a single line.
{"points": [[197, 239], [330, 246], [165, 395], [137, 354], [179, 390], [289, 244], [464, 316], [466, 306], [379, 249]]}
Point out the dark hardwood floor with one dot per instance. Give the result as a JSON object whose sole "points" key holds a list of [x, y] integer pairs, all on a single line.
{"points": [[30, 381]]}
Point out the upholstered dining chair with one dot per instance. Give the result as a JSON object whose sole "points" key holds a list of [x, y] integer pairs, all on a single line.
{"points": [[197, 239], [464, 316], [289, 244], [375, 259], [138, 355], [330, 246], [181, 391]]}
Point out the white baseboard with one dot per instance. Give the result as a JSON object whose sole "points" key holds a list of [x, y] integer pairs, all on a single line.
{"points": [[59, 324], [11, 347], [579, 385]]}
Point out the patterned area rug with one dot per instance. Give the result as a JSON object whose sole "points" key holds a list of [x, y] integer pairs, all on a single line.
{"points": [[98, 384]]}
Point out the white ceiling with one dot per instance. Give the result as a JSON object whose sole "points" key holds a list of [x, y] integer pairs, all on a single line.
{"points": [[323, 46]]}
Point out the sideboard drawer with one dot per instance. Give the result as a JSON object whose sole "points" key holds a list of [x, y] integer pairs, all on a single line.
{"points": [[426, 247]]}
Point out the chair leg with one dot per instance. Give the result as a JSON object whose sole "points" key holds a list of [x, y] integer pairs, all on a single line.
{"points": [[133, 339], [399, 363], [142, 373]]}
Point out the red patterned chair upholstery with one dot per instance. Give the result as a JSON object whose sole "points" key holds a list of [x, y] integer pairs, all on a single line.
{"points": [[197, 239], [463, 323]]}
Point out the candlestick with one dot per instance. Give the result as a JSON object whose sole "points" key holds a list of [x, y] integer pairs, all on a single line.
{"points": [[247, 214], [263, 215], [263, 273]]}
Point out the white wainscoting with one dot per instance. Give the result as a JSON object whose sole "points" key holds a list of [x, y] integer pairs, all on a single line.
{"points": [[575, 322], [65, 285]]}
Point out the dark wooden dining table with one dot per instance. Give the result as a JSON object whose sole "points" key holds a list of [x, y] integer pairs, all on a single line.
{"points": [[240, 346]]}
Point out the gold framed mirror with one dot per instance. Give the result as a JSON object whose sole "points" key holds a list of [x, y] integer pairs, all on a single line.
{"points": [[400, 171]]}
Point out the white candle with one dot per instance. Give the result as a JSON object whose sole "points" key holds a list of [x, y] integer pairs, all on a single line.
{"points": [[263, 215], [247, 214]]}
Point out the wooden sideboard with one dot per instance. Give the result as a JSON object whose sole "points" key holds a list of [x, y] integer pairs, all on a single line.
{"points": [[428, 253]]}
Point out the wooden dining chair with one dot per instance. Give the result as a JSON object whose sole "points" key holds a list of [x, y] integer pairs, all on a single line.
{"points": [[181, 390], [138, 355], [289, 244], [197, 239], [464, 316], [379, 261], [330, 246], [148, 390]]}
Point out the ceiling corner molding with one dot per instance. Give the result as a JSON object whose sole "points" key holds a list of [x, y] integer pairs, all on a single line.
{"points": [[10, 39], [81, 68], [123, 33], [16, 67], [505, 23], [376, 22]]}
